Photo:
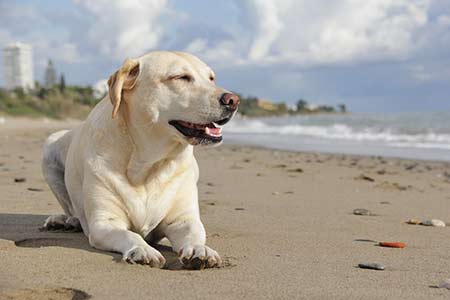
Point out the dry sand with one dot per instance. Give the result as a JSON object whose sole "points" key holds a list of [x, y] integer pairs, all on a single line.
{"points": [[282, 222]]}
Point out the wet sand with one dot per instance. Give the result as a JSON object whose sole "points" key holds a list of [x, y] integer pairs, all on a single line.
{"points": [[283, 222]]}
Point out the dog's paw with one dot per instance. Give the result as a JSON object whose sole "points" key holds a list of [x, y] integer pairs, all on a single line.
{"points": [[61, 222], [145, 255], [197, 257]]}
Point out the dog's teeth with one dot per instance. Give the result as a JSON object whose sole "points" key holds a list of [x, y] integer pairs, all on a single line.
{"points": [[216, 132]]}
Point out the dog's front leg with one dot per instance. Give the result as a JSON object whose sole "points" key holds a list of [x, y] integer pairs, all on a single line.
{"points": [[113, 235], [187, 236]]}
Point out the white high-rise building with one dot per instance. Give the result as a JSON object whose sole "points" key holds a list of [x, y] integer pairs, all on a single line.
{"points": [[18, 66]]}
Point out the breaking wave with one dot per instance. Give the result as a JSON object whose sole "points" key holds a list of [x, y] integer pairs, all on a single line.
{"points": [[339, 131]]}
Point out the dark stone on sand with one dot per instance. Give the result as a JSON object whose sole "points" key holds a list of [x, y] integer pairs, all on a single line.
{"points": [[411, 166], [296, 170], [35, 189], [210, 184], [393, 186], [280, 166], [239, 208], [365, 177], [385, 202], [20, 179], [372, 266], [362, 212]]}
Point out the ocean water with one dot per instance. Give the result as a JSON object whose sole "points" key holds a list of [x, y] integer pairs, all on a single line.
{"points": [[424, 135]]}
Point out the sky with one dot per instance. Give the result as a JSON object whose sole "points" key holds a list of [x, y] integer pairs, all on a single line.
{"points": [[372, 55]]}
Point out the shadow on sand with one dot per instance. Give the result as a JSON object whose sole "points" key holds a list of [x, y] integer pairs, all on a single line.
{"points": [[23, 230]]}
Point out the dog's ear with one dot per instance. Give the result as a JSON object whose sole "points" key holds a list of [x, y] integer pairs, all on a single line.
{"points": [[122, 79]]}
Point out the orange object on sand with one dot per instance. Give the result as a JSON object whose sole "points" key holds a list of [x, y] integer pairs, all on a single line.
{"points": [[392, 244]]}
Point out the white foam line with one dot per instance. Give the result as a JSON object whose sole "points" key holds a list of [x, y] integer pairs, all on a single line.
{"points": [[344, 132]]}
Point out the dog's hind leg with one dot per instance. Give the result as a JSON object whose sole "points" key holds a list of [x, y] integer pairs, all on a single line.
{"points": [[53, 171], [61, 222]]}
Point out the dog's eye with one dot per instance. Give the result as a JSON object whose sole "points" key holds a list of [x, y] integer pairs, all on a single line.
{"points": [[211, 78], [185, 77]]}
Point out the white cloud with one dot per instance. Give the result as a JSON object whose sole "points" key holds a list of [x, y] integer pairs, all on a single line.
{"points": [[267, 27], [197, 45], [124, 28], [100, 88], [323, 32]]}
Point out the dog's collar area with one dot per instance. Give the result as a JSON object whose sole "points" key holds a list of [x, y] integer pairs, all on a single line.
{"points": [[201, 133]]}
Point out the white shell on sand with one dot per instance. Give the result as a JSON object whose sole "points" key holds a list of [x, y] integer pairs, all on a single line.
{"points": [[433, 222], [445, 284]]}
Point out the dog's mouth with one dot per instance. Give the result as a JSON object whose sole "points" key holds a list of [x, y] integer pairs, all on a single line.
{"points": [[197, 134]]}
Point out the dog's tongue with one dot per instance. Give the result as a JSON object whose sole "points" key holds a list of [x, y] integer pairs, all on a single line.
{"points": [[213, 131]]}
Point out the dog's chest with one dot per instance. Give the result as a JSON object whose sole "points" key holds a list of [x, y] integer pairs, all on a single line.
{"points": [[155, 198]]}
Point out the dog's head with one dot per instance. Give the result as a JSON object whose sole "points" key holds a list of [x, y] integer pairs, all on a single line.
{"points": [[174, 92]]}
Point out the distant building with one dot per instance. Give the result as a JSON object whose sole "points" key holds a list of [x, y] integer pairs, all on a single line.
{"points": [[312, 106], [18, 66], [266, 105], [50, 75]]}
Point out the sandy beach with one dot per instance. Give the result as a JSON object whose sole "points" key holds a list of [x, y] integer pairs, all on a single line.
{"points": [[283, 223]]}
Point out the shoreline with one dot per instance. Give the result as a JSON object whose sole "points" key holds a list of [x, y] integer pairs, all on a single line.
{"points": [[359, 156], [21, 123]]}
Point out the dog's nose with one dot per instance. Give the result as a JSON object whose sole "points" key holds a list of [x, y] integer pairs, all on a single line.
{"points": [[229, 100]]}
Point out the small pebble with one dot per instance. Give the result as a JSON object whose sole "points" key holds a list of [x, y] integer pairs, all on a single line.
{"points": [[20, 179], [445, 284], [433, 222], [372, 266], [282, 166], [35, 189], [297, 170], [392, 244], [239, 208], [365, 177], [362, 212], [275, 193], [413, 222]]}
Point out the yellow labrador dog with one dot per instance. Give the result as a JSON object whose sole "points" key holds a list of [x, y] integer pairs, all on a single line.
{"points": [[128, 172]]}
